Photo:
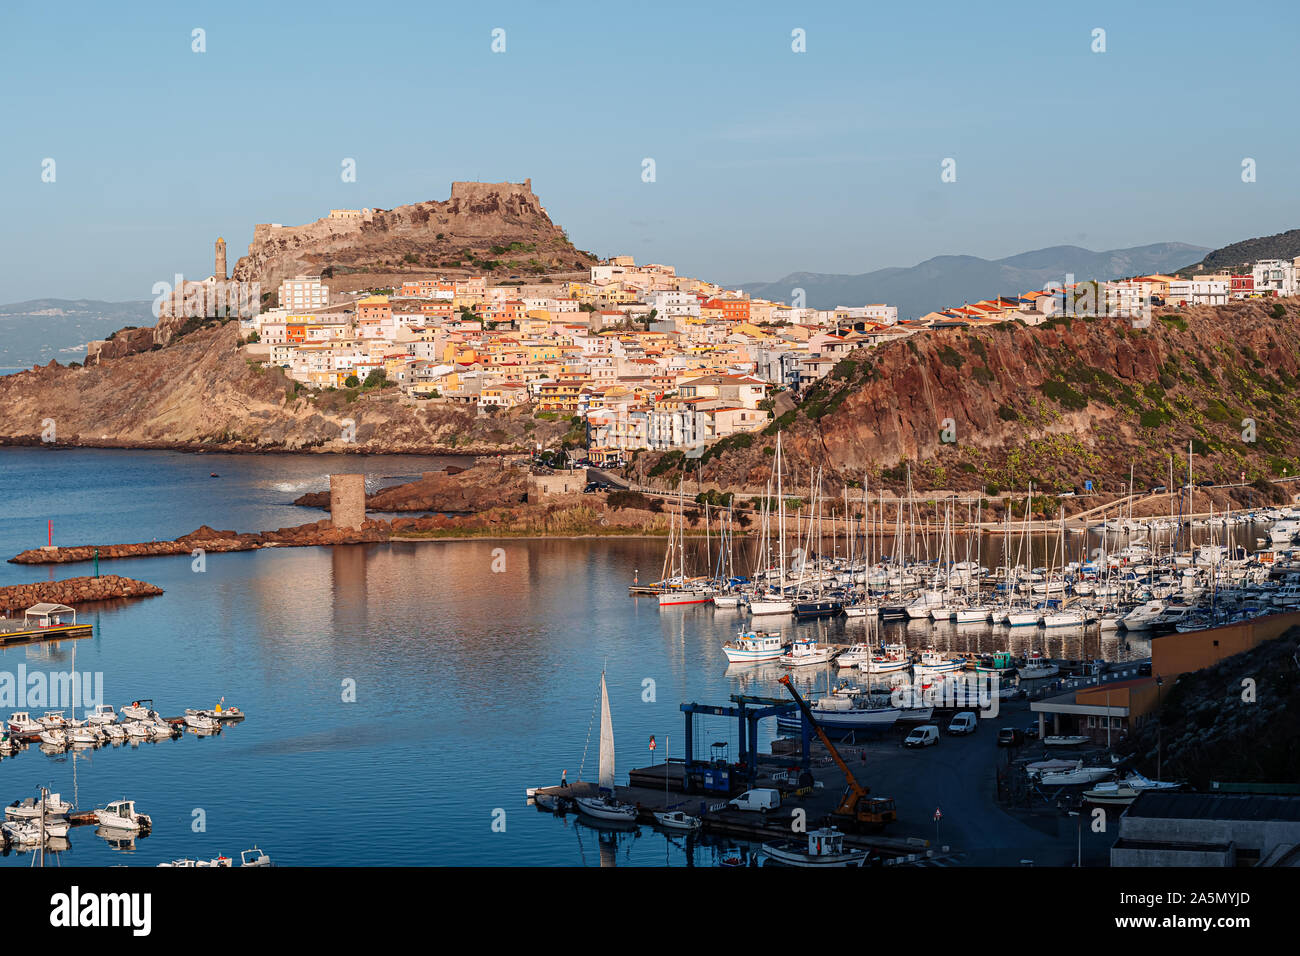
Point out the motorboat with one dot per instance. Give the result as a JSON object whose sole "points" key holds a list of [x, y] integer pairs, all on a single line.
{"points": [[30, 809], [1143, 616], [999, 662], [115, 731], [855, 656], [30, 832], [825, 847], [892, 659], [1065, 741], [805, 651], [196, 720], [137, 729], [751, 646], [136, 710], [770, 605], [254, 857], [607, 808], [53, 720], [677, 820], [103, 715], [121, 816], [54, 738], [85, 736], [1073, 778]]}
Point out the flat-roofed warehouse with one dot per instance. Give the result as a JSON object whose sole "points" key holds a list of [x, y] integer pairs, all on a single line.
{"points": [[1209, 829]]}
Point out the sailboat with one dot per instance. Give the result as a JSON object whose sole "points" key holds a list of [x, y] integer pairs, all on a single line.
{"points": [[776, 603], [676, 588], [603, 806]]}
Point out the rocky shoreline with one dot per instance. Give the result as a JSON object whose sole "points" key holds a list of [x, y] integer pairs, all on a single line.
{"points": [[73, 591]]}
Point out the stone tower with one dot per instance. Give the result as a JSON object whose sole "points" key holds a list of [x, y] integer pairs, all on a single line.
{"points": [[220, 269], [348, 501]]}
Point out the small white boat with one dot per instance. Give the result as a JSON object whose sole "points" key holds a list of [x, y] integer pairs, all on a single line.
{"points": [[1114, 793], [1072, 778], [137, 710], [83, 736], [121, 816], [103, 715], [137, 729], [30, 809], [21, 722], [676, 820], [54, 738], [752, 646], [198, 721], [770, 606], [1037, 667], [28, 832], [825, 848], [726, 600], [933, 662], [254, 857], [805, 651], [53, 720], [115, 731], [1065, 741], [607, 808], [159, 729]]}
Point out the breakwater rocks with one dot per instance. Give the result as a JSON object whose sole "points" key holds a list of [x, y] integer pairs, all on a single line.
{"points": [[73, 591], [210, 540]]}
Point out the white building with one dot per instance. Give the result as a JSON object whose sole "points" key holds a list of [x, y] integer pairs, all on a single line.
{"points": [[1199, 292], [303, 294], [1275, 276]]}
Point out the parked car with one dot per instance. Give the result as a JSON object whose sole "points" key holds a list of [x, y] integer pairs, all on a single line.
{"points": [[927, 735], [964, 723], [1010, 737], [1031, 732], [1157, 490], [1207, 483]]}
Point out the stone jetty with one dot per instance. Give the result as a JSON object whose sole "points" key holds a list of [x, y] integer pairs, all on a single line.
{"points": [[73, 591]]}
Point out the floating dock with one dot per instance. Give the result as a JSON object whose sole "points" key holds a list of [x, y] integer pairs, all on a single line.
{"points": [[15, 632]]}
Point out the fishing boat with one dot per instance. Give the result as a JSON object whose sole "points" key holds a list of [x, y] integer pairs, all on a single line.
{"points": [[21, 722], [825, 847], [999, 662], [30, 809], [839, 716], [677, 820], [933, 662], [892, 659], [1037, 667], [752, 646], [121, 816], [604, 806], [805, 651], [855, 656]]}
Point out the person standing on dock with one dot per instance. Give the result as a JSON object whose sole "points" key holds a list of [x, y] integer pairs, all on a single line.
{"points": [[564, 778]]}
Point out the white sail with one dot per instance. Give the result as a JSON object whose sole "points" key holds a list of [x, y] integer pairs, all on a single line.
{"points": [[606, 779]]}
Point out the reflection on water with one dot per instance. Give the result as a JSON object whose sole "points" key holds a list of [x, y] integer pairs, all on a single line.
{"points": [[470, 685]]}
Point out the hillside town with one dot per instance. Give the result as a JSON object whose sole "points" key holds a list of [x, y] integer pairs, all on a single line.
{"points": [[645, 358]]}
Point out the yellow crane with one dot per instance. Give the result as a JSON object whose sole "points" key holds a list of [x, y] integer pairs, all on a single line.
{"points": [[856, 810]]}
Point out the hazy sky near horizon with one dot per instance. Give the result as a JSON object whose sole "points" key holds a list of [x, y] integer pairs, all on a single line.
{"points": [[767, 161]]}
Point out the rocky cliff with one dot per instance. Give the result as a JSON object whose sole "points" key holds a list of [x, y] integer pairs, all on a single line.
{"points": [[1071, 400], [497, 227], [201, 392]]}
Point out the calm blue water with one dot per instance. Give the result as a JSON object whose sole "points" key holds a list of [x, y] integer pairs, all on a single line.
{"points": [[470, 685]]}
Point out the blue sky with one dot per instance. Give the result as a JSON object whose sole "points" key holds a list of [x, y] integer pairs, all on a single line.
{"points": [[767, 161]]}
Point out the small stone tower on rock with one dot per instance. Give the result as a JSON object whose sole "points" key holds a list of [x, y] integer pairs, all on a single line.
{"points": [[220, 268]]}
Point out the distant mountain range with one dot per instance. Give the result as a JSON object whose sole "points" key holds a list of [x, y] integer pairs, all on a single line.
{"points": [[952, 280], [38, 330]]}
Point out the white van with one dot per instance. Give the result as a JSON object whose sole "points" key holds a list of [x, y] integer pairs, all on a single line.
{"points": [[757, 800], [927, 735], [964, 723]]}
